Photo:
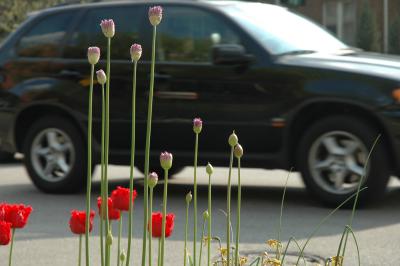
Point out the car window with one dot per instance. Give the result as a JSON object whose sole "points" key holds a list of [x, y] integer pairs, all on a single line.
{"points": [[188, 34], [88, 33], [45, 38]]}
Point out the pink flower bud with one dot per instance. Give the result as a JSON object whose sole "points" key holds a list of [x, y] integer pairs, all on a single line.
{"points": [[166, 160], [101, 77], [153, 179], [155, 15], [108, 27], [197, 125], [93, 55], [136, 52]]}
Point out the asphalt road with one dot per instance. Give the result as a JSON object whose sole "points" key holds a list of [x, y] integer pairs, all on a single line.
{"points": [[46, 240]]}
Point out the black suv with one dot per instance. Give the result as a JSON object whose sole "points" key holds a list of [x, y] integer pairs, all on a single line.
{"points": [[295, 95]]}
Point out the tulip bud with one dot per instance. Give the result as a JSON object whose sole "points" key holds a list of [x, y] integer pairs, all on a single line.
{"points": [[108, 27], [233, 139], [109, 238], [136, 52], [93, 55], [155, 15], [166, 160], [238, 151], [209, 169], [101, 77], [122, 256], [189, 197], [153, 179], [197, 125], [206, 215]]}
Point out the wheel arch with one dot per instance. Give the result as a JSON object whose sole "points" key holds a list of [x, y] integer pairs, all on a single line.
{"points": [[317, 110]]}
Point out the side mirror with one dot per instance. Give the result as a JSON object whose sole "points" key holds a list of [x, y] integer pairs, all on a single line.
{"points": [[230, 54]]}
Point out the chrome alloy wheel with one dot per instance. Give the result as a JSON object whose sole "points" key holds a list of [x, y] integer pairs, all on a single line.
{"points": [[337, 160], [52, 154]]}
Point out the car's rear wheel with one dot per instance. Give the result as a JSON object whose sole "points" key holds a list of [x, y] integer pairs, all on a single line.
{"points": [[54, 155], [332, 158]]}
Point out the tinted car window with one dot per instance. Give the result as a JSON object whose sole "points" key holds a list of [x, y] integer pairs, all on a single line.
{"points": [[188, 34], [45, 38], [88, 33]]}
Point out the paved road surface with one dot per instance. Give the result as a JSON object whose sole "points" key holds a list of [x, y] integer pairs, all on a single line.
{"points": [[47, 240]]}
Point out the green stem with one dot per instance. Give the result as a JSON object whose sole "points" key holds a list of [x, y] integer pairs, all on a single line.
{"points": [[89, 165], [286, 249], [102, 190], [196, 148], [278, 248], [228, 210], [119, 238], [209, 223], [147, 148], [358, 192], [80, 251], [239, 202], [150, 226], [164, 216], [106, 146], [186, 233], [11, 247], [133, 135], [159, 252], [201, 241], [324, 220]]}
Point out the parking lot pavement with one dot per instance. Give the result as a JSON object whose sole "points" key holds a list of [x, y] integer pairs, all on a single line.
{"points": [[46, 240]]}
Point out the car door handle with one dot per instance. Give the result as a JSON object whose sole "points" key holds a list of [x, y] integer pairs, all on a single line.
{"points": [[184, 95]]}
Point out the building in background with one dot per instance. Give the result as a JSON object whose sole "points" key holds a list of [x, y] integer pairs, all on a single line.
{"points": [[343, 18]]}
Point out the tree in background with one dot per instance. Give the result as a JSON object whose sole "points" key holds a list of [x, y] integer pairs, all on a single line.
{"points": [[367, 34], [394, 36], [12, 13]]}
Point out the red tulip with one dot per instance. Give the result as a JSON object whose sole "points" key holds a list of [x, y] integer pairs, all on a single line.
{"points": [[156, 219], [5, 233], [113, 214], [17, 214], [2, 211], [77, 222], [120, 198]]}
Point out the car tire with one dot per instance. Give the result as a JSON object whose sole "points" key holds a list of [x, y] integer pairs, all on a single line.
{"points": [[55, 155], [331, 156]]}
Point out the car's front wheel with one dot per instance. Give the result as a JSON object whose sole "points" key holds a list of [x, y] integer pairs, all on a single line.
{"points": [[54, 155], [332, 158]]}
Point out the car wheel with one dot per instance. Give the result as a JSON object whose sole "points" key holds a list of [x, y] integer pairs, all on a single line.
{"points": [[55, 157], [332, 157]]}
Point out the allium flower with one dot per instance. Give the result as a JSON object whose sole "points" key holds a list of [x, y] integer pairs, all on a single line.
{"points": [[166, 160], [153, 179], [108, 27], [5, 233], [238, 151], [206, 214], [113, 214], [17, 214], [101, 77], [233, 139], [209, 169], [93, 55], [136, 52], [155, 15], [77, 222], [156, 219], [120, 198], [197, 125], [189, 197]]}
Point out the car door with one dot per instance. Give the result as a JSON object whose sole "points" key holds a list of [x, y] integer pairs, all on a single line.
{"points": [[189, 85], [128, 21]]}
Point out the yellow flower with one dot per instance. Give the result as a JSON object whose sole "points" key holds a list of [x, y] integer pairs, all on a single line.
{"points": [[273, 243], [242, 261], [223, 251], [272, 262], [334, 261]]}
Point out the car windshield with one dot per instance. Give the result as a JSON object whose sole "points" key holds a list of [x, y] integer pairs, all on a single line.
{"points": [[283, 32]]}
